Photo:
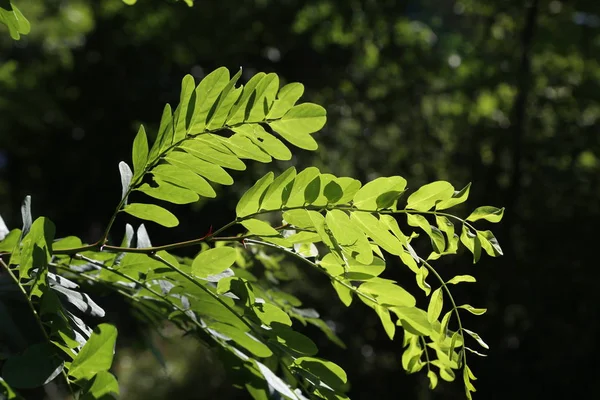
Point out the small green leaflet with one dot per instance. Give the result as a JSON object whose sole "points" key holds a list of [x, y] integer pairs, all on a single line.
{"points": [[478, 338], [473, 310], [489, 243], [428, 195], [96, 355], [298, 123], [260, 228], [286, 98], [213, 261], [489, 213], [126, 176], [184, 178], [457, 198], [14, 20], [471, 242], [243, 338], [369, 197], [461, 278], [151, 212], [386, 320], [103, 385], [275, 382], [330, 373], [250, 201], [169, 192], [209, 170], [436, 303], [139, 154], [388, 293], [274, 198]]}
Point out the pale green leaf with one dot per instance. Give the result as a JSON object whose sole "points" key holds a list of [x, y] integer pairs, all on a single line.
{"points": [[206, 169], [298, 123], [184, 178], [269, 313], [243, 147], [140, 151], [477, 338], [244, 339], [169, 192], [275, 382], [186, 108], [349, 186], [96, 355], [224, 103], [273, 198], [346, 234], [297, 192], [377, 231], [461, 278], [286, 98], [421, 276], [388, 293], [206, 95], [213, 261], [366, 197], [208, 152], [471, 242], [428, 195], [489, 243], [102, 386], [260, 228], [251, 200], [413, 320], [151, 212], [458, 197], [386, 320], [267, 142], [433, 379], [241, 109], [343, 292], [164, 137], [473, 310], [436, 303], [489, 213], [263, 98]]}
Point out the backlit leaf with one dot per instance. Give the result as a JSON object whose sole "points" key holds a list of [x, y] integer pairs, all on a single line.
{"points": [[458, 197], [489, 213], [436, 303], [140, 151], [151, 212], [96, 355], [428, 195], [213, 261], [250, 201], [366, 197]]}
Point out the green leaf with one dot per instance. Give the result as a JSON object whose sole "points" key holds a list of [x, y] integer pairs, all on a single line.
{"points": [[436, 303], [298, 123], [36, 247], [208, 152], [164, 137], [225, 102], [346, 234], [103, 385], [14, 20], [428, 195], [260, 228], [414, 320], [446, 226], [251, 200], [186, 108], [96, 355], [386, 320], [489, 213], [241, 109], [295, 341], [333, 192], [206, 169], [286, 98], [349, 186], [184, 178], [473, 310], [366, 198], [244, 339], [343, 292], [457, 198], [38, 365], [388, 293], [207, 93], [140, 152], [273, 198], [477, 338], [263, 98], [269, 313], [377, 231], [243, 147], [461, 278], [433, 379], [471, 242], [297, 193], [213, 261], [126, 176], [489, 243], [151, 212], [422, 273], [329, 373], [267, 142], [169, 192]]}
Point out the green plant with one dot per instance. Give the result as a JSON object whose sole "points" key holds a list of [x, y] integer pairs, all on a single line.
{"points": [[228, 295]]}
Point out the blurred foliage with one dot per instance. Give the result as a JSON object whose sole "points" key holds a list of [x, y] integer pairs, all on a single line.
{"points": [[501, 93]]}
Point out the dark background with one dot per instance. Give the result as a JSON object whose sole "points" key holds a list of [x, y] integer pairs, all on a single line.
{"points": [[501, 93]]}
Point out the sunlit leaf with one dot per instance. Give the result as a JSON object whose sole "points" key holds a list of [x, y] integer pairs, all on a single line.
{"points": [[489, 213], [366, 197], [97, 354], [213, 261], [151, 212]]}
